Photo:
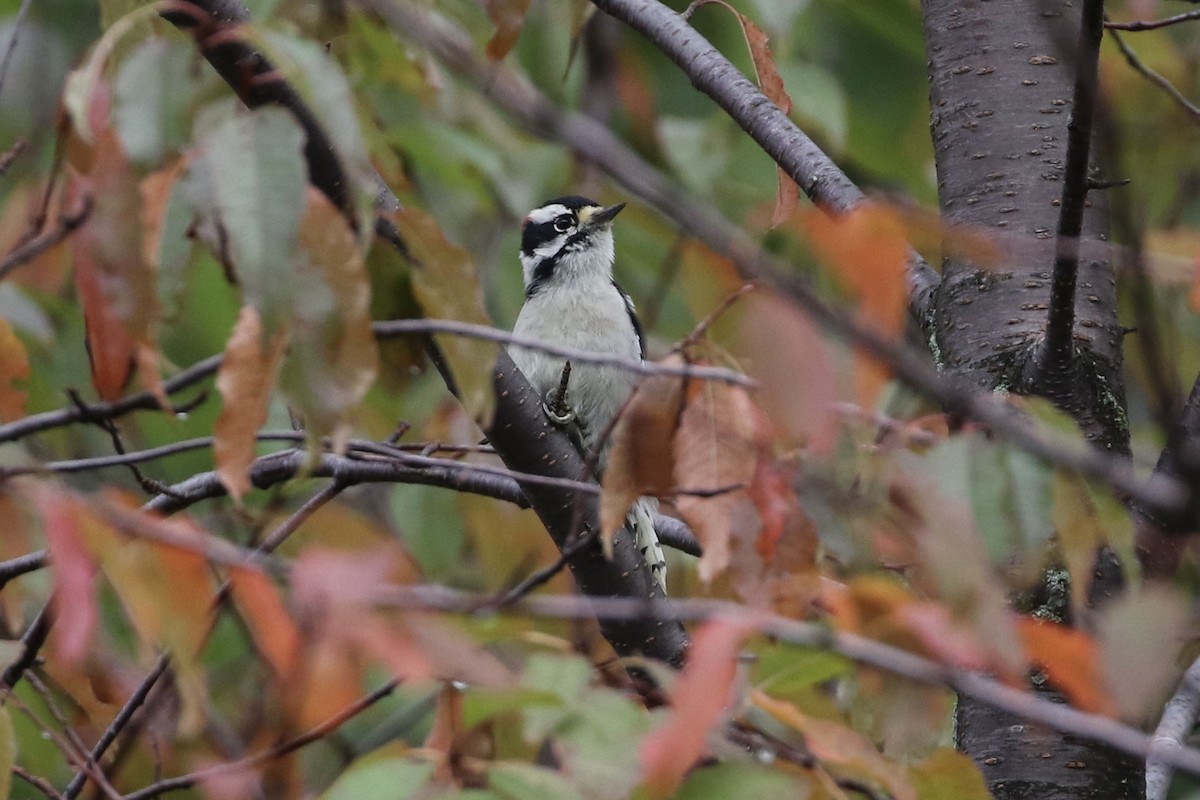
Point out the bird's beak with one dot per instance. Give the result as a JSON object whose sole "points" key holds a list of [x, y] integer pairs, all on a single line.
{"points": [[603, 216]]}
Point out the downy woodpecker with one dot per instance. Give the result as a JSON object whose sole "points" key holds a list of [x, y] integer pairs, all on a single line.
{"points": [[571, 300]]}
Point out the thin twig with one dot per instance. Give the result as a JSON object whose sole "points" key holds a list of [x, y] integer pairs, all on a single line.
{"points": [[401, 327], [26, 252], [1151, 24], [134, 402], [702, 328], [31, 644], [271, 753], [6, 61], [41, 784], [1157, 79], [1178, 718], [11, 154]]}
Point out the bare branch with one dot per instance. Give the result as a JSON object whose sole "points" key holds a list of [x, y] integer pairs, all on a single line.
{"points": [[1156, 78], [16, 567], [1178, 718], [271, 753], [406, 326], [1149, 25], [860, 649], [31, 249]]}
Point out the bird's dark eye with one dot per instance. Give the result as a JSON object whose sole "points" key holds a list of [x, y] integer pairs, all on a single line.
{"points": [[563, 223]]}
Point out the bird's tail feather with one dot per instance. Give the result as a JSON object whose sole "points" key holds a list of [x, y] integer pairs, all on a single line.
{"points": [[641, 522]]}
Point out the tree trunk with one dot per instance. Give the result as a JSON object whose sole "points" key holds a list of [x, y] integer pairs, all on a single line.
{"points": [[1001, 76]]}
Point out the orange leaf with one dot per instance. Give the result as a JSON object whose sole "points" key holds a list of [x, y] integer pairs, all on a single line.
{"points": [[14, 366], [74, 599], [274, 632], [1070, 659], [702, 693], [868, 249], [716, 448], [245, 379], [642, 460], [509, 17], [784, 352]]}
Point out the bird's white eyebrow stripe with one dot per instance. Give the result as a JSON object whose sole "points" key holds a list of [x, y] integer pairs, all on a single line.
{"points": [[547, 213]]}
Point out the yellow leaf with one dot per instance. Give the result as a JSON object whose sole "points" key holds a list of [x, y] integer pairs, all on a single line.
{"points": [[14, 366]]}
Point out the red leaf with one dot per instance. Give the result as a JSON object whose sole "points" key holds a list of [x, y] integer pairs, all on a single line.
{"points": [[701, 694], [74, 601], [115, 282]]}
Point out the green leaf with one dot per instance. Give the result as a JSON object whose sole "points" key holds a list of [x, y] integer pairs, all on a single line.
{"points": [[947, 775], [380, 776], [782, 669], [516, 780], [153, 90], [739, 781], [258, 180], [482, 703]]}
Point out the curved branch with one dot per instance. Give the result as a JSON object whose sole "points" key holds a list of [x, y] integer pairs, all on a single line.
{"points": [[829, 188], [1178, 718]]}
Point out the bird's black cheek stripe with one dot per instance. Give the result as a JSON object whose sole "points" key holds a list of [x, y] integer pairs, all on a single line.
{"points": [[536, 234], [541, 274]]}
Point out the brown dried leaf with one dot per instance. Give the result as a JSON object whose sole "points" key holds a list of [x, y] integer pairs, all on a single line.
{"points": [[787, 193], [333, 359], [509, 17], [642, 458], [244, 379], [833, 743], [74, 570], [717, 445], [1070, 659]]}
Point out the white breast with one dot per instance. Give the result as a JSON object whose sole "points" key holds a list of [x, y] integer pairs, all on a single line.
{"points": [[592, 318]]}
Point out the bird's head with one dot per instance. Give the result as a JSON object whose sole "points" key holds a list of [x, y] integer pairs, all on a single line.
{"points": [[567, 239]]}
